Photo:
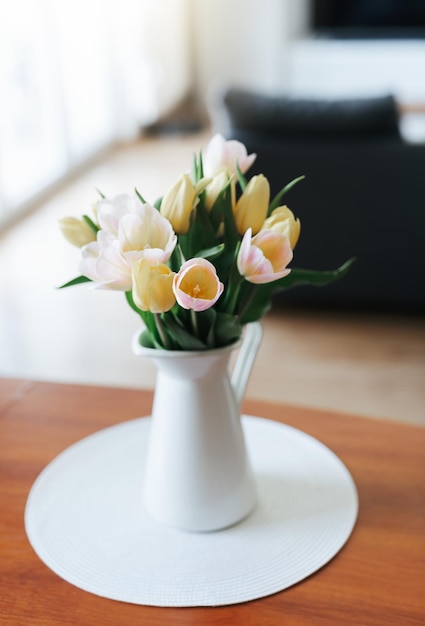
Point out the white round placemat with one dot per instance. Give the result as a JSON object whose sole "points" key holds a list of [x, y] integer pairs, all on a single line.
{"points": [[86, 521]]}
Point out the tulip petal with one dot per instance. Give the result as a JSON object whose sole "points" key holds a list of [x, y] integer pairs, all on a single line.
{"points": [[110, 211], [263, 258], [113, 269], [76, 231], [197, 286], [145, 231], [177, 204], [283, 221], [153, 286], [221, 153], [251, 208]]}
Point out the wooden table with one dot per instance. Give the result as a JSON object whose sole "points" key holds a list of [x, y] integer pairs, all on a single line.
{"points": [[377, 578]]}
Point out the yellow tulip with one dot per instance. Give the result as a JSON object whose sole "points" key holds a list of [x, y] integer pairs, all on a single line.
{"points": [[251, 208], [179, 201], [153, 286], [177, 204], [283, 221], [216, 186], [76, 231]]}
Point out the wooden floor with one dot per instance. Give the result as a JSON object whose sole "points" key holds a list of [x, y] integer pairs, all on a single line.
{"points": [[356, 363]]}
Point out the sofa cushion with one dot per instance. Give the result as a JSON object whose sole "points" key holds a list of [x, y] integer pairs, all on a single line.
{"points": [[285, 116]]}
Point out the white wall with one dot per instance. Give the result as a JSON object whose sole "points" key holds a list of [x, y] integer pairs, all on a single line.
{"points": [[166, 42], [266, 45], [242, 42], [345, 68]]}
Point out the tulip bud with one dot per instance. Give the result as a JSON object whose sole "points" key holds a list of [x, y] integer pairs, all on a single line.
{"points": [[153, 286], [228, 154], [215, 187], [196, 285], [177, 204], [282, 221], [251, 208], [76, 231]]}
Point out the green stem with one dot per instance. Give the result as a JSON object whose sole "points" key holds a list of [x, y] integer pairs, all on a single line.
{"points": [[129, 298], [234, 294], [162, 332], [248, 302], [180, 251], [232, 291], [194, 322]]}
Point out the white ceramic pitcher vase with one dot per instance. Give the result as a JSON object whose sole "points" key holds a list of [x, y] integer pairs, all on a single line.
{"points": [[198, 475]]}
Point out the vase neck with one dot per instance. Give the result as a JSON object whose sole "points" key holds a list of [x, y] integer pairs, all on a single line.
{"points": [[194, 366]]}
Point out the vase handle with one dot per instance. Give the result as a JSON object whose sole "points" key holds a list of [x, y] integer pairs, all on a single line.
{"points": [[245, 360]]}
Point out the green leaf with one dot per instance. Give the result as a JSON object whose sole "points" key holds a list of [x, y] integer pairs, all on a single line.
{"points": [[200, 166], [139, 195], [219, 207], [129, 298], [148, 320], [276, 200], [228, 329], [211, 253], [145, 340], [202, 234], [175, 261], [316, 278], [76, 281], [256, 300], [182, 337], [100, 193], [197, 171], [241, 178], [157, 203], [231, 235], [233, 282], [95, 228], [206, 321]]}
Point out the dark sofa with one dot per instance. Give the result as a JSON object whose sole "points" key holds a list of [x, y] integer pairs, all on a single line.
{"points": [[363, 194]]}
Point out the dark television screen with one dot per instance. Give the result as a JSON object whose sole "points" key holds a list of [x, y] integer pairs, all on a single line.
{"points": [[369, 18]]}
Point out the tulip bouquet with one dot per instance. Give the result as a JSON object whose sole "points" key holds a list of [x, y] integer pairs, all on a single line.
{"points": [[200, 262]]}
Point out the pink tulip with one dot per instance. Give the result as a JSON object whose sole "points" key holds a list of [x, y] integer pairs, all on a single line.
{"points": [[263, 258], [196, 285], [221, 153]]}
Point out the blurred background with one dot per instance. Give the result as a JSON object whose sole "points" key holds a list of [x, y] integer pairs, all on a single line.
{"points": [[111, 94], [78, 76]]}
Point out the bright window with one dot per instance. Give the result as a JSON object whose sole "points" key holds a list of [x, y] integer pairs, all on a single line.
{"points": [[31, 124], [76, 75]]}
